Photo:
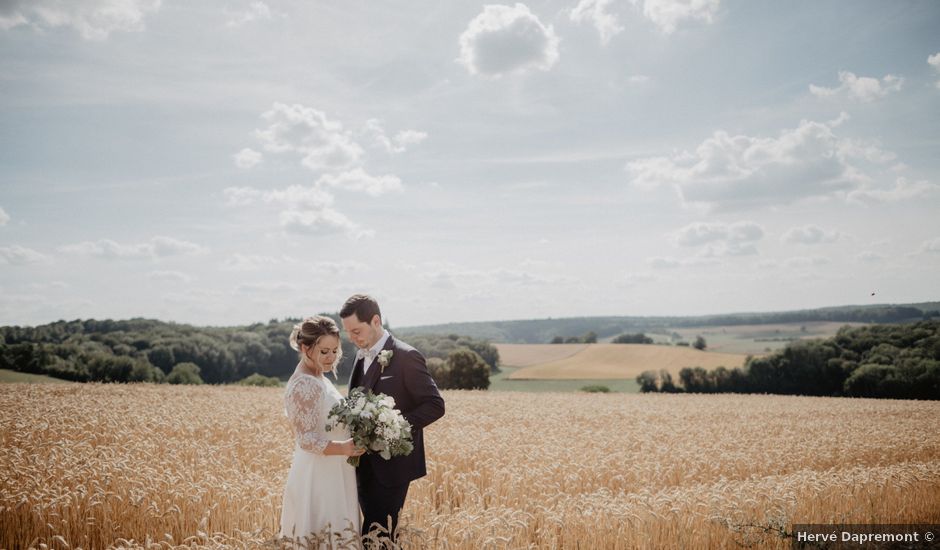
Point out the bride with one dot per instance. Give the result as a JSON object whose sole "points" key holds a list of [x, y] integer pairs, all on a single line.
{"points": [[320, 500]]}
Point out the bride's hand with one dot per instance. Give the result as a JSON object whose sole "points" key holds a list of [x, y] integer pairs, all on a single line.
{"points": [[349, 448]]}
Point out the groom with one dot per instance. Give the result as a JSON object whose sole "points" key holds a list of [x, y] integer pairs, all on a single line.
{"points": [[383, 484]]}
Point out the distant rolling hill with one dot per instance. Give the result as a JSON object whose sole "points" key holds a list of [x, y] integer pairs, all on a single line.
{"points": [[539, 331]]}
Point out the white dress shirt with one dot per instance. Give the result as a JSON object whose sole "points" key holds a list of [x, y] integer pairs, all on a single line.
{"points": [[375, 351]]}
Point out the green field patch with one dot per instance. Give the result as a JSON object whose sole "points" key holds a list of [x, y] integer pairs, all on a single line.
{"points": [[500, 382], [12, 376]]}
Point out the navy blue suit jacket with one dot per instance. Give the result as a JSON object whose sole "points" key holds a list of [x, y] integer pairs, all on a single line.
{"points": [[406, 378]]}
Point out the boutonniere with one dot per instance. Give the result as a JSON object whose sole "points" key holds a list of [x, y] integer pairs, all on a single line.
{"points": [[385, 357]]}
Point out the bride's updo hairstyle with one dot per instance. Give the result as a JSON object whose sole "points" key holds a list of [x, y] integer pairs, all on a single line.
{"points": [[310, 330]]}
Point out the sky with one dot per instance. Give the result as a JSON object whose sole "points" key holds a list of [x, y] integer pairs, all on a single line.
{"points": [[231, 162]]}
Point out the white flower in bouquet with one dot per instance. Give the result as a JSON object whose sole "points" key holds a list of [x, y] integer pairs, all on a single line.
{"points": [[374, 424], [359, 404]]}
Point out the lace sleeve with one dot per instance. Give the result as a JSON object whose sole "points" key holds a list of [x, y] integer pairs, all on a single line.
{"points": [[306, 418]]}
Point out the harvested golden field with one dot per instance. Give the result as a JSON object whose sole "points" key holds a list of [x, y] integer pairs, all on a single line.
{"points": [[93, 466], [526, 355], [624, 361]]}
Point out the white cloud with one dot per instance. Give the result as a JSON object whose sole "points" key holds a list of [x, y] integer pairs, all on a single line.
{"points": [[860, 88], [339, 268], [447, 276], [720, 239], [796, 262], [660, 262], [93, 19], [596, 12], [164, 247], [12, 20], [322, 221], [297, 196], [242, 196], [254, 12], [170, 276], [407, 138], [934, 61], [697, 234], [728, 172], [639, 79], [929, 247], [397, 144], [322, 143], [730, 249], [635, 279], [806, 261], [359, 180], [869, 257], [309, 210], [106, 248], [248, 262], [157, 247], [306, 210], [516, 277], [20, 255], [4, 217], [667, 14], [903, 189], [504, 39], [254, 262], [701, 260], [866, 150], [247, 158], [809, 234]]}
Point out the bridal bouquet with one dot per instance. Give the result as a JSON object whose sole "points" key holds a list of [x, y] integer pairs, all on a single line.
{"points": [[374, 424]]}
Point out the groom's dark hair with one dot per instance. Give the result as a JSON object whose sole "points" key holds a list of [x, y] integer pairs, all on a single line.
{"points": [[364, 306]]}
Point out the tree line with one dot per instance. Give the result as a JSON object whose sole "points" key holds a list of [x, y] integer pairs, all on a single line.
{"points": [[589, 337], [457, 362], [146, 350], [889, 361]]}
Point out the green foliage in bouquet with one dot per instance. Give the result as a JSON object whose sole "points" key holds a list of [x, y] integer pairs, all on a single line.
{"points": [[374, 424]]}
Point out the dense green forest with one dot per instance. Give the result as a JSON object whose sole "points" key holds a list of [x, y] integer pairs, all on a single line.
{"points": [[899, 361], [541, 331], [441, 346], [146, 350]]}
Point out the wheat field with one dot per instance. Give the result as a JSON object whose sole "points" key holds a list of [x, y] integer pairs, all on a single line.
{"points": [[526, 355], [619, 361], [141, 466]]}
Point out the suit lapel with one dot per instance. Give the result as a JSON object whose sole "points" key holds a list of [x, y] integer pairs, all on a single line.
{"points": [[375, 371], [372, 377]]}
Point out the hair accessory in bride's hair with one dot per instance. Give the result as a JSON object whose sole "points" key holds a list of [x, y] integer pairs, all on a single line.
{"points": [[295, 338]]}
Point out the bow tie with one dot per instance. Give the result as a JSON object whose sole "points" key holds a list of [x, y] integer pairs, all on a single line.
{"points": [[367, 355]]}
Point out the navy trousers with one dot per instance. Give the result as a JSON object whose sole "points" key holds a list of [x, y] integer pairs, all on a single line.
{"points": [[378, 502]]}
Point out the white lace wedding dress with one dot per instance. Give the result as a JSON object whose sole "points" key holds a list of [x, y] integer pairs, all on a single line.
{"points": [[320, 493]]}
